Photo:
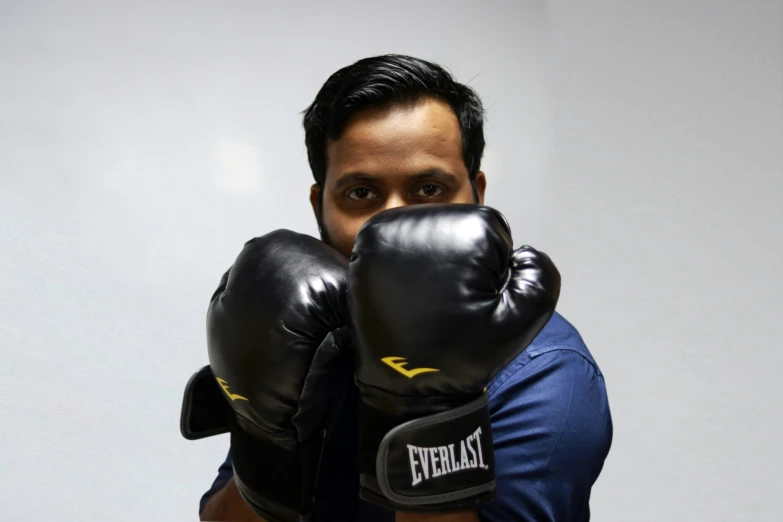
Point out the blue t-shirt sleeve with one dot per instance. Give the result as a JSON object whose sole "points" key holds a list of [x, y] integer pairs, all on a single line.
{"points": [[225, 472], [551, 429]]}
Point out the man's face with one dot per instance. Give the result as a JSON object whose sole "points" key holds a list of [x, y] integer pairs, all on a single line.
{"points": [[390, 157]]}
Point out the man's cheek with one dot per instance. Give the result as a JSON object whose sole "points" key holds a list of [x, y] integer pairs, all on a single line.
{"points": [[341, 232], [351, 229]]}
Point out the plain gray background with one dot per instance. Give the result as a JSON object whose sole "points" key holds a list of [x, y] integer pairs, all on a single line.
{"points": [[639, 143]]}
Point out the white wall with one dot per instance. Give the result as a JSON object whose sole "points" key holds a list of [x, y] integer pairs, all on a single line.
{"points": [[665, 214], [141, 144]]}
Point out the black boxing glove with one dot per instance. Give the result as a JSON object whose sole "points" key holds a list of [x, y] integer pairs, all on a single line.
{"points": [[276, 328], [440, 302]]}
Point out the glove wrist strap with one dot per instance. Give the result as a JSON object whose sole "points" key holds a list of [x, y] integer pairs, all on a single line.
{"points": [[440, 462]]}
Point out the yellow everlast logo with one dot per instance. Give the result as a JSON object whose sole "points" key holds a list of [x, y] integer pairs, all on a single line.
{"points": [[398, 364], [233, 396]]}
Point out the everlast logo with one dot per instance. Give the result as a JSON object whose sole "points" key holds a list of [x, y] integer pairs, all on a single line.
{"points": [[437, 461]]}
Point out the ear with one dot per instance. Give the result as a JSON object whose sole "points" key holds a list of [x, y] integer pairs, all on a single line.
{"points": [[481, 186], [315, 198]]}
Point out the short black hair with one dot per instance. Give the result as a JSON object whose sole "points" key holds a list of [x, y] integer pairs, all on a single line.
{"points": [[389, 80]]}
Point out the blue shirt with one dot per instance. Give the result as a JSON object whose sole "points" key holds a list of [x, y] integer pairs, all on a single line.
{"points": [[551, 431]]}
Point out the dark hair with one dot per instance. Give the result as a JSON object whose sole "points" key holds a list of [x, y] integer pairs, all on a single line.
{"points": [[388, 80]]}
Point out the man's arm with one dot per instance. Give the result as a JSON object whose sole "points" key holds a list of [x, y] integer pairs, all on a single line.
{"points": [[223, 501], [462, 516], [551, 431], [227, 504]]}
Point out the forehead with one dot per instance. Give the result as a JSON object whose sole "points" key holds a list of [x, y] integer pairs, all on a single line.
{"points": [[398, 139]]}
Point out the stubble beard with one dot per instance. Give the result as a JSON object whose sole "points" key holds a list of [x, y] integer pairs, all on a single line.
{"points": [[319, 219]]}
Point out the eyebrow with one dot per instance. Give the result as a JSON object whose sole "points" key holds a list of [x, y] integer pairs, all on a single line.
{"points": [[358, 177]]}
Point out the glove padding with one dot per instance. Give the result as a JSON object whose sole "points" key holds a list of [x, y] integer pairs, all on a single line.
{"points": [[277, 328], [440, 302]]}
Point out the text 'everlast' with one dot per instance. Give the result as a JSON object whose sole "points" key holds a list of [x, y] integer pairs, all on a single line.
{"points": [[438, 461]]}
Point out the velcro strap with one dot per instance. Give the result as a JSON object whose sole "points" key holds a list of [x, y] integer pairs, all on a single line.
{"points": [[278, 482], [440, 459], [205, 411]]}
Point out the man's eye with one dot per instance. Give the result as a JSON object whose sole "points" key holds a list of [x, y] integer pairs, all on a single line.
{"points": [[361, 193], [430, 191]]}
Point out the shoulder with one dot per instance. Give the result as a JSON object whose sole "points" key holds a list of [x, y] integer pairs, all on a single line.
{"points": [[559, 338], [553, 384], [545, 383], [551, 428], [561, 345]]}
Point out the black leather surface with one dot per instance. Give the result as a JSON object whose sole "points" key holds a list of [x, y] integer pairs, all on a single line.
{"points": [[440, 302]]}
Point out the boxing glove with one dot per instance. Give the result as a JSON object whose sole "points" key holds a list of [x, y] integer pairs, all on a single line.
{"points": [[277, 327], [439, 302]]}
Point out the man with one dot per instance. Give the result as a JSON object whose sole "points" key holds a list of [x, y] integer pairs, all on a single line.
{"points": [[392, 131]]}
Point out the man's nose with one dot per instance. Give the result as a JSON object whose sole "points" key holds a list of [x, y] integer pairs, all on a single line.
{"points": [[394, 201]]}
